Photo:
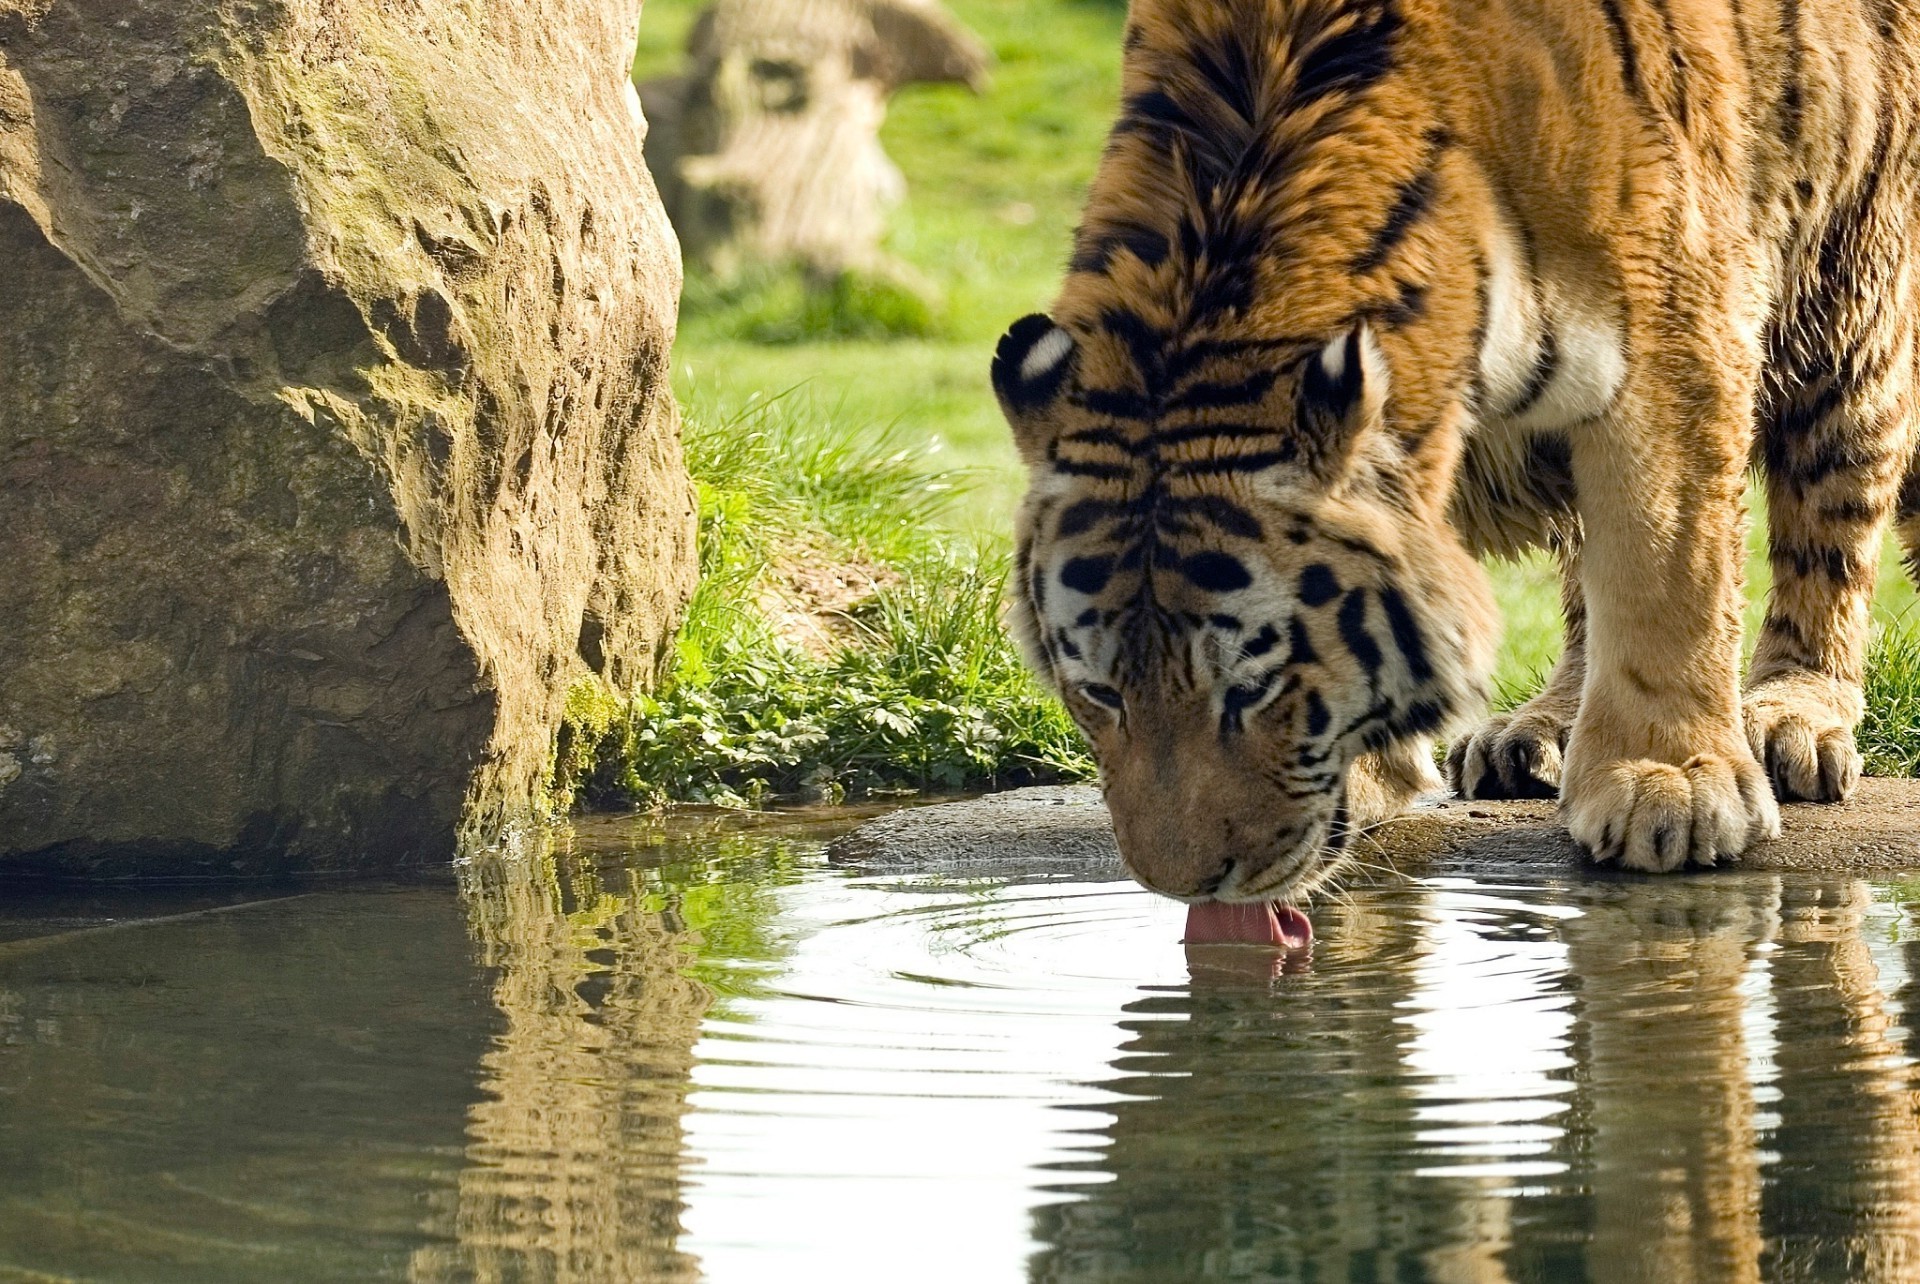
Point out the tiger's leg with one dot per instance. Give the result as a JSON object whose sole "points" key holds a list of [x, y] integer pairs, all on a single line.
{"points": [[1658, 771], [1519, 754], [1836, 441]]}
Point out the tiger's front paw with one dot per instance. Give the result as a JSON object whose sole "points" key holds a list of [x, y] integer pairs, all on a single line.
{"points": [[1801, 728], [1656, 817], [1515, 755]]}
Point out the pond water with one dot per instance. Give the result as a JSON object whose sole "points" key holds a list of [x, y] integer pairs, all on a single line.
{"points": [[697, 1050]]}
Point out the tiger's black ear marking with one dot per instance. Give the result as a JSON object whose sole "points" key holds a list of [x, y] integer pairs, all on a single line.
{"points": [[1031, 364], [1335, 377], [1342, 387]]}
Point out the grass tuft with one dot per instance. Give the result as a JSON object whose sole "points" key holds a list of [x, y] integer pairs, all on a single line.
{"points": [[919, 687], [1890, 733]]}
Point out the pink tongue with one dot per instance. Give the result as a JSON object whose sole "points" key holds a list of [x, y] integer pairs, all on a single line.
{"points": [[1275, 924]]}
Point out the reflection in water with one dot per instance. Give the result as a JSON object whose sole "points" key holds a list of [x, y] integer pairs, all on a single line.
{"points": [[1262, 1133], [1843, 1201], [1623, 1081], [270, 1092], [574, 1152], [674, 1054], [1672, 1160]]}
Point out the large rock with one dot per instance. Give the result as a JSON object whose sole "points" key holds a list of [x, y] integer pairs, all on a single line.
{"points": [[335, 438]]}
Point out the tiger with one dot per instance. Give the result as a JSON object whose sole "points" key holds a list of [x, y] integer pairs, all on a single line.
{"points": [[1368, 291]]}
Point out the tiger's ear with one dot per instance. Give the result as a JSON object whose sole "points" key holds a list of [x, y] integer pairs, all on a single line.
{"points": [[1343, 392], [1029, 369]]}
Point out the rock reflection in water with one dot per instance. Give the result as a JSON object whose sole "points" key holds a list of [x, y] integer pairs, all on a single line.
{"points": [[574, 1153], [1709, 1067]]}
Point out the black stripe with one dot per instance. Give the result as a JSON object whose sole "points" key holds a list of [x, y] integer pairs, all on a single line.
{"points": [[1353, 631], [1299, 646], [1839, 565], [1084, 515], [1229, 285], [1089, 468], [1546, 364], [1483, 310], [1351, 59], [1408, 305], [1146, 345], [1241, 698], [1215, 572], [1261, 643], [1422, 717], [1413, 200], [1154, 111], [1112, 438], [1850, 512], [1233, 464], [1909, 505], [1145, 446], [1218, 511], [1318, 585], [1406, 635], [1623, 47], [1206, 432], [1225, 396], [1194, 355], [1318, 718], [1087, 575], [1096, 253], [1113, 403], [1792, 91], [1793, 424], [1228, 73]]}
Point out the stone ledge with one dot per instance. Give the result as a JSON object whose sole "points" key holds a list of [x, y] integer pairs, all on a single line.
{"points": [[1063, 831]]}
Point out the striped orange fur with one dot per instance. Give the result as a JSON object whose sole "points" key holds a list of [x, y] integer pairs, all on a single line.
{"points": [[1366, 289]]}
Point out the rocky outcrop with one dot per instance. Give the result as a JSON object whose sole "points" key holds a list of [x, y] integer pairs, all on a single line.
{"points": [[335, 438]]}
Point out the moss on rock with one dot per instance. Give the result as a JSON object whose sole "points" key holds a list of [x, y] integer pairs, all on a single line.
{"points": [[335, 445]]}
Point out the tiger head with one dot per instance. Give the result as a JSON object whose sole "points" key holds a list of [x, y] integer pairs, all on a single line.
{"points": [[1232, 574]]}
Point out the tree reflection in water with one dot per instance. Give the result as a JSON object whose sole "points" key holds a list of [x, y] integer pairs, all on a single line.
{"points": [[1721, 1098]]}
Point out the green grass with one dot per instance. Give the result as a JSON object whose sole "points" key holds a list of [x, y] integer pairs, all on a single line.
{"points": [[1890, 735], [995, 184], [919, 689]]}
